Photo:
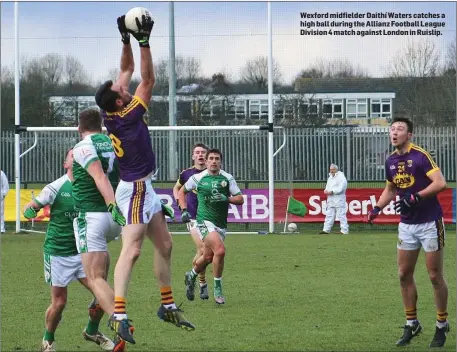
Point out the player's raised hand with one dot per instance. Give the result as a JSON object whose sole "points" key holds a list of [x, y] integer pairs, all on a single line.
{"points": [[373, 214], [116, 214], [144, 30], [123, 30], [185, 216], [407, 202], [30, 213]]}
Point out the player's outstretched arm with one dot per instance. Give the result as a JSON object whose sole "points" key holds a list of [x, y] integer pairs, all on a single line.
{"points": [[127, 62], [144, 89], [46, 196]]}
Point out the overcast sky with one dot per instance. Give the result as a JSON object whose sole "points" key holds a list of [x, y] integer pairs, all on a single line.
{"points": [[222, 35]]}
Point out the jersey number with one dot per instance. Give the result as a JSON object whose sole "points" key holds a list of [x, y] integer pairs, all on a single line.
{"points": [[116, 142], [110, 156]]}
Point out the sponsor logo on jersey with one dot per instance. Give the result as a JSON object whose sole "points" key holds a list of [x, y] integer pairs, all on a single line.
{"points": [[103, 144], [404, 180], [65, 194]]}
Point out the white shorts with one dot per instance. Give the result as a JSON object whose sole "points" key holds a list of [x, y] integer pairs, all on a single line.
{"points": [[192, 224], [429, 236], [205, 227], [138, 201], [60, 271], [94, 230]]}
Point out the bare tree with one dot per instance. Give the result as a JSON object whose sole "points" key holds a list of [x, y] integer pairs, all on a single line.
{"points": [[7, 101], [337, 68], [450, 66], [255, 72], [74, 71], [52, 66], [417, 59], [161, 73], [418, 76], [113, 74], [192, 69]]}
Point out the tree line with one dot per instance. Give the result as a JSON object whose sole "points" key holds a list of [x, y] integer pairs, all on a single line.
{"points": [[430, 98]]}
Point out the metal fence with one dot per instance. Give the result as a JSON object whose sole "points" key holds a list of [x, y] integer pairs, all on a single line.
{"points": [[359, 151]]}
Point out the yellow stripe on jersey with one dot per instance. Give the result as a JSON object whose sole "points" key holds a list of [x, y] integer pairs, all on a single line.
{"points": [[132, 105], [427, 154], [141, 101], [432, 171]]}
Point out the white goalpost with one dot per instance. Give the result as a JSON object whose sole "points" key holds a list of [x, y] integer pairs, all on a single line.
{"points": [[270, 128], [271, 156]]}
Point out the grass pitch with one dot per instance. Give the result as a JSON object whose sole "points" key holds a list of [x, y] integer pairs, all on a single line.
{"points": [[284, 292]]}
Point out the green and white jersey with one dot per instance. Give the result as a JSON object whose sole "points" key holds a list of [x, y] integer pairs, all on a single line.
{"points": [[207, 186], [93, 147], [60, 238]]}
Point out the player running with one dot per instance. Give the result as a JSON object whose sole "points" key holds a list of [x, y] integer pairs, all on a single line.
{"points": [[124, 119], [199, 157], [99, 219], [216, 189], [62, 263], [415, 177]]}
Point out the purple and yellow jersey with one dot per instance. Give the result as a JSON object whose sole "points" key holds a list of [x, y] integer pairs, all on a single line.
{"points": [[191, 197], [131, 141], [409, 172]]}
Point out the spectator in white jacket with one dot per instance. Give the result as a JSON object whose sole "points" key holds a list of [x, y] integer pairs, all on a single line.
{"points": [[4, 188], [336, 200]]}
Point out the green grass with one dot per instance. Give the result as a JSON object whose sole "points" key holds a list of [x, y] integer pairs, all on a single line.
{"points": [[284, 292]]}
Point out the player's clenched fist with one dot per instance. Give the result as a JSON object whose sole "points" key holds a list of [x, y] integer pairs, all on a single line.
{"points": [[116, 214], [372, 214], [30, 213], [406, 203], [185, 216]]}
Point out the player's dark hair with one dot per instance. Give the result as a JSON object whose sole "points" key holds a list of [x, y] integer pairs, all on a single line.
{"points": [[199, 145], [105, 97], [408, 122], [90, 120], [214, 151]]}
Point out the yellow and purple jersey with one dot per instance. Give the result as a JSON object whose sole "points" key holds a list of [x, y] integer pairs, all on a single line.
{"points": [[191, 197], [131, 141], [409, 172]]}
